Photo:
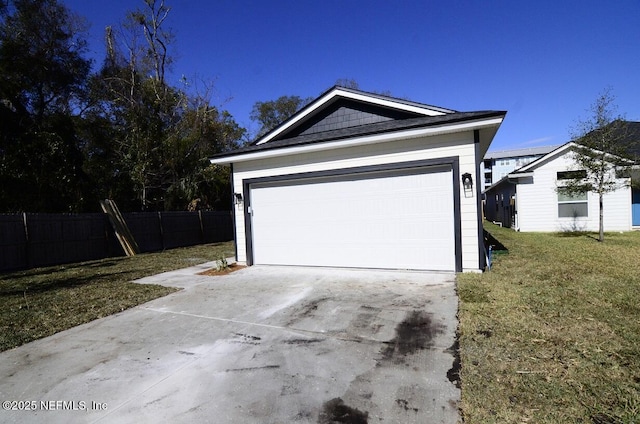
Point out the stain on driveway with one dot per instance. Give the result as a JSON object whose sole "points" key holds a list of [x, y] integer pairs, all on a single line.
{"points": [[260, 345]]}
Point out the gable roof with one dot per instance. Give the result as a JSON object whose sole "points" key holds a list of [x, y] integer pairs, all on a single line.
{"points": [[527, 170], [362, 118], [631, 139], [542, 159], [514, 153], [338, 97]]}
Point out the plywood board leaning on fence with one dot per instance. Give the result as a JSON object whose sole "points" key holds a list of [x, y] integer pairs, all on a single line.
{"points": [[120, 227]]}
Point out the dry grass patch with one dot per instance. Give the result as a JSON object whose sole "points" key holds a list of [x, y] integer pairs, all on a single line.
{"points": [[551, 334], [43, 301]]}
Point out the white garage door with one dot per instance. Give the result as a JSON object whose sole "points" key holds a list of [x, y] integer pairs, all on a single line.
{"points": [[399, 220]]}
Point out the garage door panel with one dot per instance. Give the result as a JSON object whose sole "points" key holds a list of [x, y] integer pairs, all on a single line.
{"points": [[376, 220]]}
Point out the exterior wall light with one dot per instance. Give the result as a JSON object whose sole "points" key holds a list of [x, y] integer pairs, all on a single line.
{"points": [[238, 198], [467, 181]]}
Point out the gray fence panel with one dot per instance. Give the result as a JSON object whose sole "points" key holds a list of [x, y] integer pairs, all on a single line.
{"points": [[217, 226], [146, 230], [57, 238], [181, 229], [13, 242], [64, 238]]}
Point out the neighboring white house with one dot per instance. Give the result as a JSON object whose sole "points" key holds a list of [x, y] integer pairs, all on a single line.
{"points": [[356, 179], [527, 199], [496, 165]]}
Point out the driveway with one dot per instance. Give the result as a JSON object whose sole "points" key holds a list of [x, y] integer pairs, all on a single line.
{"points": [[264, 344]]}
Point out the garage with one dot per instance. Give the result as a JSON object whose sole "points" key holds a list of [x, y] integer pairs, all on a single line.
{"points": [[397, 219], [363, 180]]}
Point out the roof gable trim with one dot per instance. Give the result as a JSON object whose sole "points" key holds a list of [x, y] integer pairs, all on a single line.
{"points": [[336, 93], [533, 165], [557, 152]]}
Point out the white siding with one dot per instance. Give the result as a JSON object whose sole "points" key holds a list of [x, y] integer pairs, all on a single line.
{"points": [[537, 203], [459, 145]]}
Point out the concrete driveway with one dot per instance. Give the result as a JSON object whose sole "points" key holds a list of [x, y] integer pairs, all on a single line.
{"points": [[259, 345]]}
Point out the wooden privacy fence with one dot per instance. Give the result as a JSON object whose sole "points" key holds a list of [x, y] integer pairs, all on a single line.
{"points": [[31, 240]]}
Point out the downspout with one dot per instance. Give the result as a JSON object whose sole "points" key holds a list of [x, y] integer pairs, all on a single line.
{"points": [[516, 215], [482, 256], [233, 212]]}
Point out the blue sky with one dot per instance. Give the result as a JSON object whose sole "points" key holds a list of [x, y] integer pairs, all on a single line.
{"points": [[544, 62]]}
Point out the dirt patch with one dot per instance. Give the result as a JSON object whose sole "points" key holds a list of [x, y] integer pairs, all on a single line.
{"points": [[404, 404], [335, 411], [248, 336], [266, 367], [302, 341], [454, 372], [312, 306], [363, 325], [246, 339], [413, 334], [486, 333], [224, 271], [306, 311]]}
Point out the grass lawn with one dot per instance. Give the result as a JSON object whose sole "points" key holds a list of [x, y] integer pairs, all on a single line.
{"points": [[552, 333], [43, 301]]}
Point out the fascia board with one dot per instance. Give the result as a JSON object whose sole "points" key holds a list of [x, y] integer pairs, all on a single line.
{"points": [[496, 184], [327, 98], [540, 160], [520, 175], [392, 104], [358, 141]]}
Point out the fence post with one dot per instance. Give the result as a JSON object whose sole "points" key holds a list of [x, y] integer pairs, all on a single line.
{"points": [[26, 239], [161, 230], [107, 239], [201, 227]]}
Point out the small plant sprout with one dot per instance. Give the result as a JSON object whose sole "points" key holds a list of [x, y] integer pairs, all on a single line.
{"points": [[221, 263]]}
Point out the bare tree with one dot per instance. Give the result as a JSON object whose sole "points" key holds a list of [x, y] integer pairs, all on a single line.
{"points": [[161, 134], [602, 147]]}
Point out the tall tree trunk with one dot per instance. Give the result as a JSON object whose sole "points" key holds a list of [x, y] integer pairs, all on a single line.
{"points": [[601, 236]]}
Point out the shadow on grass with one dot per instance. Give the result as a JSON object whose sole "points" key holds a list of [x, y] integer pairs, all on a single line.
{"points": [[53, 269], [573, 234], [57, 283], [577, 234], [496, 245]]}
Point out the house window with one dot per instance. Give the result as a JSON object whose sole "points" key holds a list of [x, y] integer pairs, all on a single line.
{"points": [[572, 205], [572, 175]]}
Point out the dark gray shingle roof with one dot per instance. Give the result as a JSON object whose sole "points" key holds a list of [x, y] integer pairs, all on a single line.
{"points": [[377, 128]]}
